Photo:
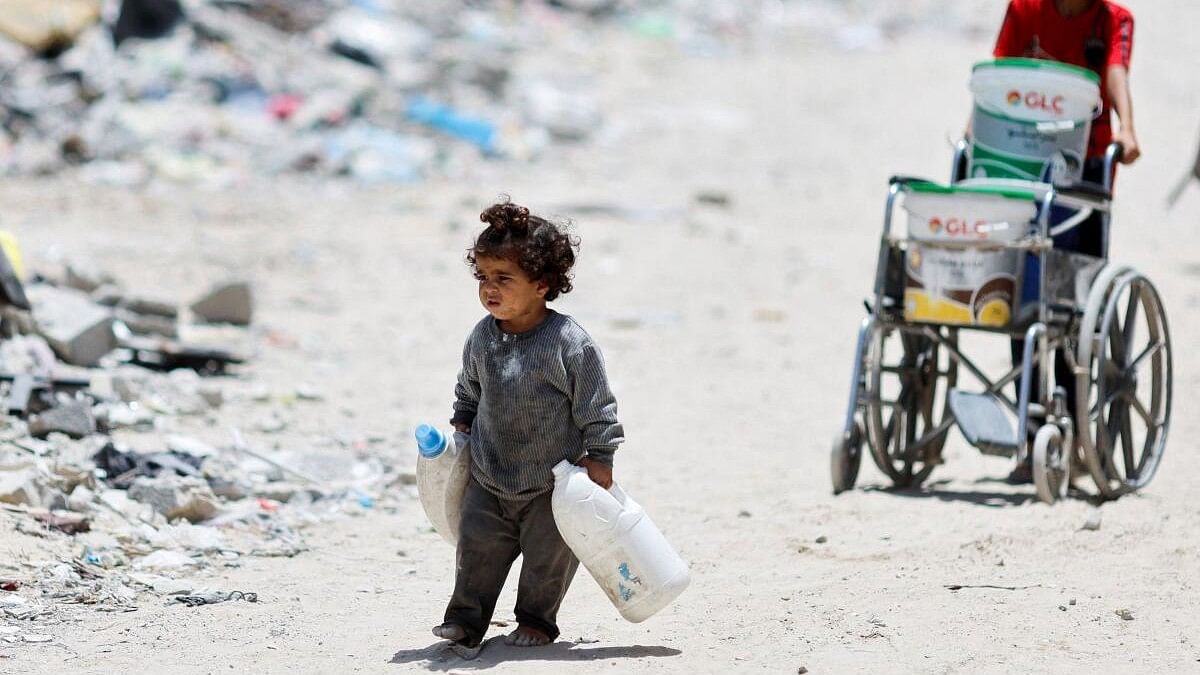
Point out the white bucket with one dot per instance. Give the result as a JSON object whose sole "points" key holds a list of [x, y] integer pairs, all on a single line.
{"points": [[1031, 119], [1034, 90], [963, 286], [617, 543]]}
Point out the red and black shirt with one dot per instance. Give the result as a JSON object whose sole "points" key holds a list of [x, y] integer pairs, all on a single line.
{"points": [[1036, 29]]}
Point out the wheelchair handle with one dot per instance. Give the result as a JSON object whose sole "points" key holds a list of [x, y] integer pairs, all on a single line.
{"points": [[1112, 154], [1085, 189]]}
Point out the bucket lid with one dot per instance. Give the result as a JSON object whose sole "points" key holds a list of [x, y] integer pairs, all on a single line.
{"points": [[1038, 64], [1008, 192]]}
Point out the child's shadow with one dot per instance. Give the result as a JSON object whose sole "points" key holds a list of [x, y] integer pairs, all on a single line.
{"points": [[443, 655]]}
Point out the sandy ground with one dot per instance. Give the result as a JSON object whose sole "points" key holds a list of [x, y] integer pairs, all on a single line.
{"points": [[728, 334]]}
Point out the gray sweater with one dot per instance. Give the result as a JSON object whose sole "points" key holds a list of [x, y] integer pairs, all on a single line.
{"points": [[532, 400]]}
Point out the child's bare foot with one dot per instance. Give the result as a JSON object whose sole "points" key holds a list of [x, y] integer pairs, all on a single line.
{"points": [[524, 636], [450, 631]]}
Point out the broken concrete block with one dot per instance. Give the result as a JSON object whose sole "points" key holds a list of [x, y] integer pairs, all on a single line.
{"points": [[142, 305], [147, 324], [227, 303], [176, 497], [73, 418], [85, 276], [81, 499], [78, 330], [47, 27], [20, 487]]}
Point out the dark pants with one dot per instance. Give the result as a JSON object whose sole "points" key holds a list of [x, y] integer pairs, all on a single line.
{"points": [[493, 532], [1087, 237]]}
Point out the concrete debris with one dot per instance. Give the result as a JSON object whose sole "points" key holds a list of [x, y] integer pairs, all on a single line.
{"points": [[165, 560], [79, 330], [207, 91], [47, 28], [73, 418], [67, 523], [176, 497], [227, 303], [21, 487]]}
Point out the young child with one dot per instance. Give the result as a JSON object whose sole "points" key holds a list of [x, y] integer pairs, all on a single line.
{"points": [[532, 392]]}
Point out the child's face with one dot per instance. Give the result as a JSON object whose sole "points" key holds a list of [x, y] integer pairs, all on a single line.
{"points": [[506, 291]]}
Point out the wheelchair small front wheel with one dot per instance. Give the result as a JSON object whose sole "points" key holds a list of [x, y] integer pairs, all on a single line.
{"points": [[1051, 464], [845, 458]]}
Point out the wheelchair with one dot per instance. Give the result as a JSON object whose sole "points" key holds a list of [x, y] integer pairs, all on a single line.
{"points": [[911, 383]]}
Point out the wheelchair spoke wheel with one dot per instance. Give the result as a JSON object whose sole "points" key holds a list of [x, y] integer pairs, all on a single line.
{"points": [[1124, 418], [907, 382]]}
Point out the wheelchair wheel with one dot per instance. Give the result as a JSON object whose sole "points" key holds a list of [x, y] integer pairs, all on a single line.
{"points": [[845, 458], [1051, 464], [908, 380], [1125, 347]]}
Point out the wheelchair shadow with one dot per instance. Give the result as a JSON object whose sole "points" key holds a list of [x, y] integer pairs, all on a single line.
{"points": [[988, 498], [442, 656]]}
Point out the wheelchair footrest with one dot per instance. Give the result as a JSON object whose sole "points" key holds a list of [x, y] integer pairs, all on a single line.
{"points": [[984, 423]]}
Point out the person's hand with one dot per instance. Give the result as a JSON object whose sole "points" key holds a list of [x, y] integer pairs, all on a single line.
{"points": [[1130, 150], [462, 428], [601, 474]]}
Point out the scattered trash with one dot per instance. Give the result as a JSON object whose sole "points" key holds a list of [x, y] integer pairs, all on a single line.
{"points": [[67, 523], [215, 597]]}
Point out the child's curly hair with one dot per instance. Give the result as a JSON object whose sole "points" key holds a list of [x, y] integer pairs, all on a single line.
{"points": [[542, 249]]}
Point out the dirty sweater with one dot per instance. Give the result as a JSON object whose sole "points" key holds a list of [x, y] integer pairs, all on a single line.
{"points": [[532, 400]]}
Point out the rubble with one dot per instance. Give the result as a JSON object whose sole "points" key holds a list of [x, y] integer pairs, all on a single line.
{"points": [[210, 91], [79, 330], [20, 487], [72, 417], [227, 303]]}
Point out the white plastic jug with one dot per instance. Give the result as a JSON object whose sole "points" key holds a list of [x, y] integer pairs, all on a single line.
{"points": [[443, 470], [618, 544]]}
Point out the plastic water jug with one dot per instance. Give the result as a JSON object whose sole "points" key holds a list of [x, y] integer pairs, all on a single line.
{"points": [[618, 544], [443, 470]]}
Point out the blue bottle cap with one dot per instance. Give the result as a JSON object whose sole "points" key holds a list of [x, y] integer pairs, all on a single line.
{"points": [[430, 441]]}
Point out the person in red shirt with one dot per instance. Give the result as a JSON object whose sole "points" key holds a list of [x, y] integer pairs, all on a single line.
{"points": [[1093, 34], [1097, 35]]}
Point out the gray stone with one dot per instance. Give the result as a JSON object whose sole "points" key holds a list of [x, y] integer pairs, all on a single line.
{"points": [[147, 324], [227, 303], [73, 418], [176, 497], [153, 307], [212, 393], [79, 330], [85, 276], [20, 487]]}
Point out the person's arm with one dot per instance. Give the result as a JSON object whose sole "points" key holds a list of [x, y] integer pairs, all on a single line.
{"points": [[1120, 53], [594, 409], [1118, 92], [466, 393]]}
